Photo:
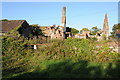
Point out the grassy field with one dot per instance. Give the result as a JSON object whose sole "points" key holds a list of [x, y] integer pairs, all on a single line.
{"points": [[70, 58], [65, 69]]}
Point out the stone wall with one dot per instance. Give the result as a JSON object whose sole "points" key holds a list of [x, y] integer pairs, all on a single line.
{"points": [[54, 32]]}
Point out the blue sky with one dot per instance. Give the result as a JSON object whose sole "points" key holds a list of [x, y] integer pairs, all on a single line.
{"points": [[79, 14]]}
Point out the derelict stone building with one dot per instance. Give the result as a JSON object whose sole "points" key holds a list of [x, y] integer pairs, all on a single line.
{"points": [[99, 35], [7, 26], [58, 32]]}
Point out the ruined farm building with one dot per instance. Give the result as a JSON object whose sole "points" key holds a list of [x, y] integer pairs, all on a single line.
{"points": [[9, 25]]}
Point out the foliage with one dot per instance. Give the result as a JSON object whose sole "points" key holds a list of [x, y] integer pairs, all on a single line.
{"points": [[36, 30], [85, 29], [115, 27], [4, 20], [94, 30], [92, 39], [11, 45], [75, 58], [104, 37], [14, 32], [74, 31], [71, 69]]}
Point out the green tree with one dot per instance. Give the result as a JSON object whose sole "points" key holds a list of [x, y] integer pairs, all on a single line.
{"points": [[36, 30], [85, 29], [4, 20], [74, 31], [94, 30], [115, 27]]}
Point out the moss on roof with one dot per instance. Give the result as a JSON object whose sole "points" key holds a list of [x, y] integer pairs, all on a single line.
{"points": [[10, 25]]}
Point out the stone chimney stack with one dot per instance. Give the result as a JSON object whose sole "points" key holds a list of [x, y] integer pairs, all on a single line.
{"points": [[64, 18], [106, 27]]}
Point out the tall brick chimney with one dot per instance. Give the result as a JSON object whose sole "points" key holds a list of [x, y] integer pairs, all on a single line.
{"points": [[63, 23], [106, 27]]}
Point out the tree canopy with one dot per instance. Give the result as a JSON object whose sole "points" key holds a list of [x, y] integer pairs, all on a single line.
{"points": [[36, 30], [115, 27], [74, 31], [4, 20], [85, 29], [94, 30]]}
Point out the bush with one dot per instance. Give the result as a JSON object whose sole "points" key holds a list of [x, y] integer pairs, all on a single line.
{"points": [[19, 59]]}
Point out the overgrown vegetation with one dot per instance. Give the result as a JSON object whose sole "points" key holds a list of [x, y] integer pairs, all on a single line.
{"points": [[74, 31], [70, 58], [36, 30], [85, 29], [115, 27], [4, 20], [94, 30]]}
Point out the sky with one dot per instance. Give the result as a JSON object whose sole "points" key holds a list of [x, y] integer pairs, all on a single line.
{"points": [[79, 14]]}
